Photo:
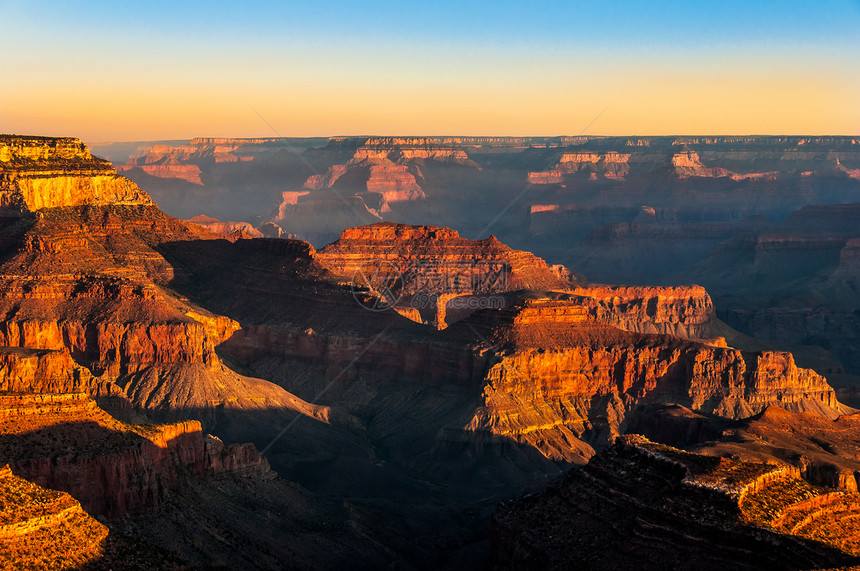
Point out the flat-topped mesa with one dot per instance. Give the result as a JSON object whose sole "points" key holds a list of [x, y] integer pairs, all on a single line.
{"points": [[438, 258], [44, 172]]}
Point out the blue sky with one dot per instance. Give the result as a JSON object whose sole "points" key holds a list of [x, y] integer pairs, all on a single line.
{"points": [[178, 69]]}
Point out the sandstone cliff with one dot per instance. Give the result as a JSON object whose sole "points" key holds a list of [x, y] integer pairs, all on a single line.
{"points": [[66, 442], [244, 229], [41, 172], [84, 305], [437, 260], [557, 376]]}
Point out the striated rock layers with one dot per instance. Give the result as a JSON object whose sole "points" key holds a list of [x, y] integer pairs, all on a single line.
{"points": [[559, 376], [436, 260], [649, 506], [42, 172], [229, 229], [44, 529], [683, 311], [824, 451], [65, 442], [390, 166], [552, 371], [83, 307]]}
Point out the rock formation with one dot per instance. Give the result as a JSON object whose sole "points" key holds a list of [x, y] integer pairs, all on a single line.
{"points": [[45, 529], [824, 451], [243, 229], [432, 266], [400, 425], [116, 468], [82, 297], [40, 172], [559, 376], [649, 506]]}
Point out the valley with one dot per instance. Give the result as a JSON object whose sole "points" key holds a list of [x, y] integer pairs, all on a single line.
{"points": [[188, 352]]}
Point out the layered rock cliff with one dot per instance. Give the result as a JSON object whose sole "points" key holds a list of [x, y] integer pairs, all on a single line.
{"points": [[439, 259], [45, 529], [84, 305], [558, 375], [683, 311], [65, 442], [40, 172], [612, 165], [230, 229]]}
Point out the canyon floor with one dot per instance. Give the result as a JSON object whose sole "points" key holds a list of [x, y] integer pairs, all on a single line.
{"points": [[296, 376]]}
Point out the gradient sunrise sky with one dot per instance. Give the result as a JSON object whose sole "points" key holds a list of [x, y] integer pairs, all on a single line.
{"points": [[113, 71]]}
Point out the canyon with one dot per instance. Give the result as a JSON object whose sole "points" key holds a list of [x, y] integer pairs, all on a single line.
{"points": [[186, 379], [745, 217]]}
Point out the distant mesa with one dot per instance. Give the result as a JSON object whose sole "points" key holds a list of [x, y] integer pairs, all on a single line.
{"points": [[239, 229], [391, 166]]}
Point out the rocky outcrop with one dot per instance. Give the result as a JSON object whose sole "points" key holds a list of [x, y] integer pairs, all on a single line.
{"points": [[83, 307], [45, 529], [394, 182], [639, 504], [823, 451], [42, 172], [688, 164], [228, 228], [436, 260], [611, 165], [388, 166], [114, 468], [683, 311], [558, 375]]}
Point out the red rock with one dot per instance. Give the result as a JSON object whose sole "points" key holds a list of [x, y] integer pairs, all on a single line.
{"points": [[116, 468]]}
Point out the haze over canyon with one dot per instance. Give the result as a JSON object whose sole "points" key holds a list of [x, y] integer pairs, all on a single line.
{"points": [[430, 352]]}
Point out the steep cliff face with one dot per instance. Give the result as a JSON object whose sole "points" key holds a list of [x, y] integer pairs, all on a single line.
{"points": [[611, 165], [389, 166], [376, 174], [615, 165], [190, 173], [115, 468], [437, 260], [683, 311], [560, 376], [640, 504], [688, 164], [41, 172], [84, 308]]}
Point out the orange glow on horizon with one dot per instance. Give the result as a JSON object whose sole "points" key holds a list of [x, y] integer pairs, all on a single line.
{"points": [[544, 103]]}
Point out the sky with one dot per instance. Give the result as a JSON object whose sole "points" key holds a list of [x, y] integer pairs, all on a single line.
{"points": [[129, 71]]}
